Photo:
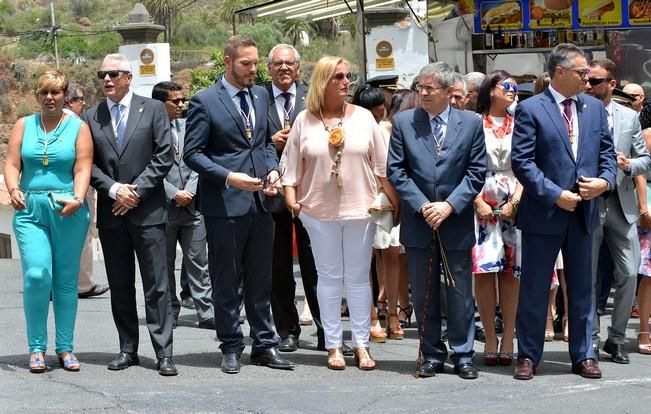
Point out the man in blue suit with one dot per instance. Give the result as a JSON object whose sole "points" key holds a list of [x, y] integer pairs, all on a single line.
{"points": [[564, 158], [228, 144], [437, 164]]}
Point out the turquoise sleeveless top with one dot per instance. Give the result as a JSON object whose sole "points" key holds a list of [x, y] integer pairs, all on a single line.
{"points": [[58, 174]]}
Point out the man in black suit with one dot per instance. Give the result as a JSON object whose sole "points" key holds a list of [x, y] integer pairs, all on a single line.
{"points": [[286, 96], [185, 224], [228, 144], [132, 155]]}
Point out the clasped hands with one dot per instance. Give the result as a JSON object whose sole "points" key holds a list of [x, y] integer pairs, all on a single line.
{"points": [[589, 188], [126, 199], [435, 213]]}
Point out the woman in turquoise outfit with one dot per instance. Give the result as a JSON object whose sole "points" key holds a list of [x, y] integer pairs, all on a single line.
{"points": [[47, 172]]}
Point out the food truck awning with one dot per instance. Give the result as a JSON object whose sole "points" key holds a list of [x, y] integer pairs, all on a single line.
{"points": [[313, 10]]}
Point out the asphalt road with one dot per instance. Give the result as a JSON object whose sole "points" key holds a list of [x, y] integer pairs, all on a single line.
{"points": [[201, 387]]}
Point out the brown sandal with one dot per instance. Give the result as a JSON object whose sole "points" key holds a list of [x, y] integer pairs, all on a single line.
{"points": [[394, 330], [336, 359], [378, 334], [363, 359]]}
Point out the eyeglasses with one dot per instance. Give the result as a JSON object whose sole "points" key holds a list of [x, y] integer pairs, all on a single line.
{"points": [[581, 72], [265, 177], [635, 95], [428, 89], [277, 64], [598, 81], [339, 76], [111, 73], [176, 101]]}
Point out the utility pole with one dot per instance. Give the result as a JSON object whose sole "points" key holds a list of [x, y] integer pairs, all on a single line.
{"points": [[54, 30]]}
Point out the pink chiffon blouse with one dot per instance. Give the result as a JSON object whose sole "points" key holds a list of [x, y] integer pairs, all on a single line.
{"points": [[308, 161]]}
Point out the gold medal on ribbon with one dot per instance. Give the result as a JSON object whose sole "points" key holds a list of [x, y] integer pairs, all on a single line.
{"points": [[45, 160], [287, 124], [248, 133]]}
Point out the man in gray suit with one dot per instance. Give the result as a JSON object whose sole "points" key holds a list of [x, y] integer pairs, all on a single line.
{"points": [[185, 224], [619, 212], [132, 155]]}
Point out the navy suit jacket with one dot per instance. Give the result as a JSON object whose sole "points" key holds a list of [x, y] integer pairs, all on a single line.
{"points": [[418, 177], [543, 161], [216, 144]]}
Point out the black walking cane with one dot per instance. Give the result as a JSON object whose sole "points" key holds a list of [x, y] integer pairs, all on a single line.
{"points": [[449, 281]]}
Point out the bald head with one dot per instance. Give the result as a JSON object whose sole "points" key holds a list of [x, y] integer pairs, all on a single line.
{"points": [[636, 92]]}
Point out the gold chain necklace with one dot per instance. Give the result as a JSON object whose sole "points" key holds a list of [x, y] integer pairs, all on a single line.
{"points": [[45, 138]]}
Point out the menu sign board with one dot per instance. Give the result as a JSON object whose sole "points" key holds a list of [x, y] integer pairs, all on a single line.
{"points": [[550, 14], [600, 13], [518, 15], [506, 15], [639, 12]]}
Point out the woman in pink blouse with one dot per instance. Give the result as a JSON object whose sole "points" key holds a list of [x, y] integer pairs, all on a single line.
{"points": [[334, 154]]}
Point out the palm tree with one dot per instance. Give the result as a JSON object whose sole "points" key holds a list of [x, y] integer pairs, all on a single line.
{"points": [[293, 29], [165, 12]]}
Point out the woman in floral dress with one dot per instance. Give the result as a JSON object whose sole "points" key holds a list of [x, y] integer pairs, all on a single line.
{"points": [[496, 256]]}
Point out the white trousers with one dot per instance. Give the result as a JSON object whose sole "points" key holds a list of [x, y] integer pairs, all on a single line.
{"points": [[342, 253]]}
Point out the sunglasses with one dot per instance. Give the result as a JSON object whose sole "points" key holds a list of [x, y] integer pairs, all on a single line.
{"points": [[634, 95], [101, 74], [265, 177], [77, 98], [339, 76], [509, 86], [598, 81], [176, 101]]}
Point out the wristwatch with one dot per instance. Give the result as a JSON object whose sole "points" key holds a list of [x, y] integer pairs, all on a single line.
{"points": [[81, 200]]}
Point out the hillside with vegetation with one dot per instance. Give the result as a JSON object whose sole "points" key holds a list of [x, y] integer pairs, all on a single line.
{"points": [[195, 29]]}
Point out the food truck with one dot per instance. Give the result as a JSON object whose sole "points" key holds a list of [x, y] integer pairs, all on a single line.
{"points": [[517, 35]]}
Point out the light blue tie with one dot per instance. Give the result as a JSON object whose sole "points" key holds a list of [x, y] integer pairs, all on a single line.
{"points": [[118, 112]]}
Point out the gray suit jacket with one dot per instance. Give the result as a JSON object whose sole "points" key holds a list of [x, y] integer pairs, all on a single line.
{"points": [[144, 160], [627, 136], [180, 177]]}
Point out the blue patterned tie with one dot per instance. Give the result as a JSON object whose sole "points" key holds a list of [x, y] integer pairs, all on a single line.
{"points": [[120, 124], [437, 132]]}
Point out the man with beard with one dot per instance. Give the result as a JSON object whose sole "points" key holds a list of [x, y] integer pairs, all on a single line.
{"points": [[229, 145], [620, 211]]}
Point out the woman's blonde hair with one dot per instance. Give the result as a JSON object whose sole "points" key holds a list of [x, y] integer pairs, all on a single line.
{"points": [[321, 74], [52, 79]]}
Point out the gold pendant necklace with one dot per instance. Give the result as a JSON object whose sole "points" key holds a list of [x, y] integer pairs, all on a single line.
{"points": [[46, 141]]}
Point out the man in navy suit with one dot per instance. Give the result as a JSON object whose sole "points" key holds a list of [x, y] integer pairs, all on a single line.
{"points": [[437, 164], [286, 100], [228, 144], [564, 158]]}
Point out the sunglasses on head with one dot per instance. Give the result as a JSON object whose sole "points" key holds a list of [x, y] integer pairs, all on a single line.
{"points": [[339, 76], [510, 86], [111, 73], [176, 101], [598, 81]]}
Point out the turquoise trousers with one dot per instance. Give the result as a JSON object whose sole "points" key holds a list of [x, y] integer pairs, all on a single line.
{"points": [[50, 250]]}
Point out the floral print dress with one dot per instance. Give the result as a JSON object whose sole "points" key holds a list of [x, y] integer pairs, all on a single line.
{"points": [[498, 241]]}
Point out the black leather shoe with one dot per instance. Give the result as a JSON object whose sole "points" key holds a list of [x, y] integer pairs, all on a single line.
{"points": [[96, 290], [123, 361], [166, 367], [346, 350], [289, 344], [617, 352], [270, 358], [207, 324], [231, 363], [466, 371], [429, 369]]}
